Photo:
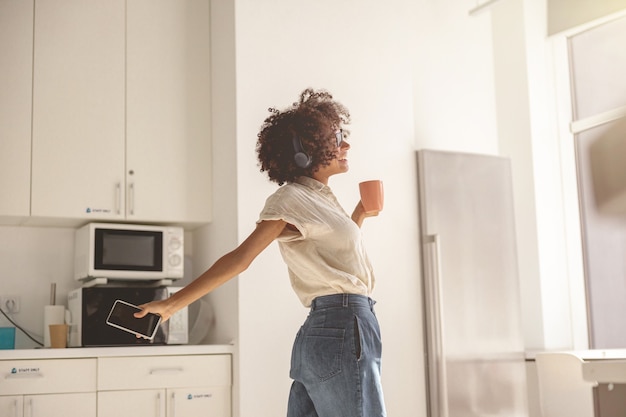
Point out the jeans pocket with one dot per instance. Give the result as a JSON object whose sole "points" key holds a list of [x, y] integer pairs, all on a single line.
{"points": [[357, 339], [323, 352], [295, 355]]}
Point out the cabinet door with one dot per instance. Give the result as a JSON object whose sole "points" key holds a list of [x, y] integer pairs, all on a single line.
{"points": [[168, 141], [11, 406], [16, 67], [137, 403], [60, 405], [78, 109], [199, 402], [170, 371]]}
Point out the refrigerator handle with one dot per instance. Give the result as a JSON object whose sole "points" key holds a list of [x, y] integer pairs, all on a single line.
{"points": [[434, 304]]}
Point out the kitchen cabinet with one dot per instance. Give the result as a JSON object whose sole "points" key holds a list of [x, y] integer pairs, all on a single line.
{"points": [[49, 388], [127, 381], [51, 405], [121, 111], [188, 402], [11, 405], [78, 109], [168, 112], [195, 385], [16, 67]]}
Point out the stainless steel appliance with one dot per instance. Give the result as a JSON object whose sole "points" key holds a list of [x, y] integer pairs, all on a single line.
{"points": [[476, 360], [89, 308]]}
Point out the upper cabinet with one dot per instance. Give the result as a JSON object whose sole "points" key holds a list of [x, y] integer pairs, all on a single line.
{"points": [[79, 119], [121, 127], [16, 67], [168, 157]]}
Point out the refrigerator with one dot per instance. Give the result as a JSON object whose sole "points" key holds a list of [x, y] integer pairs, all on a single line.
{"points": [[474, 345]]}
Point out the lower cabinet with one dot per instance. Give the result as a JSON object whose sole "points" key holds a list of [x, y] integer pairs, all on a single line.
{"points": [[48, 388], [133, 386], [165, 386], [181, 402], [48, 405]]}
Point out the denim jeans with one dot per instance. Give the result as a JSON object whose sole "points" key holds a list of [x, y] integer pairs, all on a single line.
{"points": [[336, 360]]}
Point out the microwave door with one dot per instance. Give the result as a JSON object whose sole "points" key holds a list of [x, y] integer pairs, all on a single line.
{"points": [[128, 250]]}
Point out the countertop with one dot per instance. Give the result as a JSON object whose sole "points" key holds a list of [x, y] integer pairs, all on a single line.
{"points": [[592, 354], [99, 352], [571, 370]]}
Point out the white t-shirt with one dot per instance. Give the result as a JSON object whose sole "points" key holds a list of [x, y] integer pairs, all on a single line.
{"points": [[326, 254]]}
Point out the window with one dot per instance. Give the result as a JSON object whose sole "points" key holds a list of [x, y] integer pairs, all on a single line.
{"points": [[598, 92]]}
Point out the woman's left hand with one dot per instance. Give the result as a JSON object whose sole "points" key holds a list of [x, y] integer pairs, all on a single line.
{"points": [[359, 214]]}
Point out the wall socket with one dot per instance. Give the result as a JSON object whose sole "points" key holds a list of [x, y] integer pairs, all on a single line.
{"points": [[10, 304]]}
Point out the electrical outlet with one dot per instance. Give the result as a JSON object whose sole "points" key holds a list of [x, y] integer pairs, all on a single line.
{"points": [[10, 304]]}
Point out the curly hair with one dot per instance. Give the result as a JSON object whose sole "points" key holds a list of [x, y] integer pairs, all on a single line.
{"points": [[313, 120]]}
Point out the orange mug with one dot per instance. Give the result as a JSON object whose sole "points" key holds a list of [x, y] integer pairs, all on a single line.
{"points": [[372, 195]]}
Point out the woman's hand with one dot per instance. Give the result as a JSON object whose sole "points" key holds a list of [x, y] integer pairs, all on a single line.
{"points": [[160, 307], [359, 214]]}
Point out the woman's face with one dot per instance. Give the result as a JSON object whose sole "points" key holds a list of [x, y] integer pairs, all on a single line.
{"points": [[337, 165]]}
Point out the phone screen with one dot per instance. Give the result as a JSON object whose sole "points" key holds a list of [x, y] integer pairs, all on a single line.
{"points": [[121, 316]]}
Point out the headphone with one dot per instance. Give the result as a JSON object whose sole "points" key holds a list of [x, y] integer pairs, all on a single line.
{"points": [[302, 159]]}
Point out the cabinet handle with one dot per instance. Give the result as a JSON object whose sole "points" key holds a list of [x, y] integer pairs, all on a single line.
{"points": [[172, 412], [24, 376], [158, 405], [118, 198], [161, 371], [15, 408], [131, 199], [30, 409]]}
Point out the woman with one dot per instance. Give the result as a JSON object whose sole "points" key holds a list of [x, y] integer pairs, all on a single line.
{"points": [[335, 361]]}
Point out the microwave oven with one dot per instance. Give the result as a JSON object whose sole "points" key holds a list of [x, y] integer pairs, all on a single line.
{"points": [[128, 252], [89, 308]]}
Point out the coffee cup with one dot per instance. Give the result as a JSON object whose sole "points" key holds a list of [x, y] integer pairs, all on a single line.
{"points": [[372, 195], [58, 335]]}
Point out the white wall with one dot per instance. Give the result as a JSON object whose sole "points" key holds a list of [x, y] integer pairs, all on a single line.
{"points": [[528, 70], [409, 73], [31, 259]]}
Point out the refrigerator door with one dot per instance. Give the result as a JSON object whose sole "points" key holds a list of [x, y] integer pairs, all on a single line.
{"points": [[476, 361]]}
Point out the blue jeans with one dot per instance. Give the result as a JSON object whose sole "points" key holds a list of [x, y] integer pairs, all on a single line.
{"points": [[336, 358]]}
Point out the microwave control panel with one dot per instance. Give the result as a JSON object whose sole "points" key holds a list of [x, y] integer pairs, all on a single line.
{"points": [[175, 252]]}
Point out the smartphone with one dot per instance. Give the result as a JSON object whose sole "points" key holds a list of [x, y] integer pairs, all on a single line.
{"points": [[122, 317]]}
